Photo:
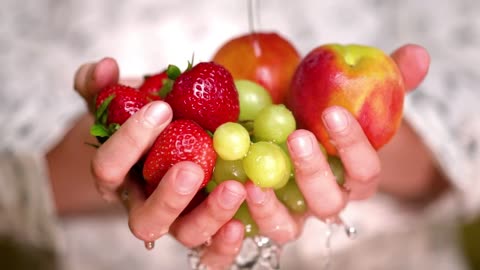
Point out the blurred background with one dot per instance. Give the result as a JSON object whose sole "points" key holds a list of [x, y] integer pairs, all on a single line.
{"points": [[43, 42]]}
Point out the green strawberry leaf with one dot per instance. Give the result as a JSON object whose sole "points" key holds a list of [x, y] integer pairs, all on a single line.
{"points": [[101, 112], [99, 130]]}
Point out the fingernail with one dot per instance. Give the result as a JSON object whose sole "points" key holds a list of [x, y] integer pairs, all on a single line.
{"points": [[187, 182], [257, 195], [335, 120], [301, 146], [157, 113], [231, 196]]}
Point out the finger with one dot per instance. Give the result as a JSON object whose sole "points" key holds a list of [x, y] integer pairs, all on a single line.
{"points": [[225, 246], [92, 77], [314, 177], [152, 219], [359, 158], [204, 221], [271, 216], [127, 145], [413, 62]]}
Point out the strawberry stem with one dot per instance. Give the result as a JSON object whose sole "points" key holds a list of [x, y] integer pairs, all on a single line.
{"points": [[166, 88], [173, 72]]}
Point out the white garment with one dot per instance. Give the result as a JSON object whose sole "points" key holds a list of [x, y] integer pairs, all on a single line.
{"points": [[43, 42]]}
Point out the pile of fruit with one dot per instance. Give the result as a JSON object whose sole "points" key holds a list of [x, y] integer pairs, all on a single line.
{"points": [[233, 115]]}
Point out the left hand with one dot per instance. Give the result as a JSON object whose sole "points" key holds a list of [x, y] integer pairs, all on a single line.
{"points": [[324, 197]]}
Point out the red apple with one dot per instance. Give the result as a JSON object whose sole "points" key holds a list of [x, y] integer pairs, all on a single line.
{"points": [[362, 79], [265, 58]]}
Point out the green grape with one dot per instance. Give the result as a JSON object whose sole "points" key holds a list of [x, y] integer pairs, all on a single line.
{"points": [[337, 169], [243, 215], [274, 123], [252, 97], [211, 185], [267, 165], [229, 170], [291, 196], [231, 141]]}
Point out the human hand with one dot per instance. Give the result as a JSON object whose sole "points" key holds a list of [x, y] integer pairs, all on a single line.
{"points": [[159, 214], [324, 197]]}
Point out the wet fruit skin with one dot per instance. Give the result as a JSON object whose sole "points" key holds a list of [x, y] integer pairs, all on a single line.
{"points": [[206, 94], [362, 79], [266, 58], [181, 140]]}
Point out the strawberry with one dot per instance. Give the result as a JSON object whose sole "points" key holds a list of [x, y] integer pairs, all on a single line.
{"points": [[206, 94], [181, 140], [114, 105], [152, 84]]}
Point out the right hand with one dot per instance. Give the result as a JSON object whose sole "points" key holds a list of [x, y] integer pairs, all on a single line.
{"points": [[153, 217]]}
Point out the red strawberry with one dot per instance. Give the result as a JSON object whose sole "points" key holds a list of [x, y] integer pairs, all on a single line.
{"points": [[125, 102], [114, 105], [205, 94], [182, 140], [153, 84]]}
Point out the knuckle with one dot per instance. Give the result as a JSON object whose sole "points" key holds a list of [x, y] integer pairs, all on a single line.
{"points": [[140, 231], [310, 168], [131, 139], [264, 211], [137, 230], [193, 236], [189, 242], [170, 208], [287, 234], [332, 206], [103, 174], [215, 213], [367, 174]]}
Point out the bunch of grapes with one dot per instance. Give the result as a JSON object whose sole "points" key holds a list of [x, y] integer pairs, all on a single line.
{"points": [[255, 149]]}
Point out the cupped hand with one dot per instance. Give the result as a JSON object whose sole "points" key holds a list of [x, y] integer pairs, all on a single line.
{"points": [[151, 218], [324, 197], [159, 214]]}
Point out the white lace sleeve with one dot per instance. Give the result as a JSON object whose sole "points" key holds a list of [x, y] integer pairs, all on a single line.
{"points": [[26, 211], [445, 109], [446, 114]]}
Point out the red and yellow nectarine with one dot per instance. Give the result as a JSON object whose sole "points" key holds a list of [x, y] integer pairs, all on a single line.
{"points": [[266, 58], [362, 79]]}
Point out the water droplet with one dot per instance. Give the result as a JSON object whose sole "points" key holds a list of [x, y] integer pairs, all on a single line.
{"points": [[350, 231], [149, 245], [208, 242]]}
